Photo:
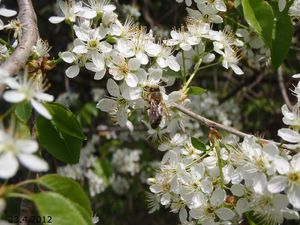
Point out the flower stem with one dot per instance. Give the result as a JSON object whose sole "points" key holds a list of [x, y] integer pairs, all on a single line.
{"points": [[18, 195], [208, 66], [183, 72], [196, 69], [2, 117], [6, 44], [220, 164], [25, 182]]}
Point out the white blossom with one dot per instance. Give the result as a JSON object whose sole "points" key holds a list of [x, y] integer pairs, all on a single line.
{"points": [[31, 89], [13, 150]]}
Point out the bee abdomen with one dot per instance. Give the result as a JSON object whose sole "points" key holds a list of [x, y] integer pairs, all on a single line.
{"points": [[155, 119], [155, 124]]}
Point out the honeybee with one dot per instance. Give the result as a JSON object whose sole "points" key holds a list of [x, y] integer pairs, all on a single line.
{"points": [[155, 108]]}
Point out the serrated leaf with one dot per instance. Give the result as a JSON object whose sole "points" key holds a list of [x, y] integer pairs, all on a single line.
{"points": [[284, 31], [61, 145], [259, 15], [198, 144], [67, 187], [196, 90], [62, 210], [65, 120], [23, 111]]}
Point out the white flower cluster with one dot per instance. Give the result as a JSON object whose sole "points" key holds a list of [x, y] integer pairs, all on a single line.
{"points": [[294, 10], [134, 59], [131, 10], [127, 161], [15, 147], [4, 51], [228, 180], [124, 162], [84, 169], [254, 50], [210, 107], [23, 89], [207, 5]]}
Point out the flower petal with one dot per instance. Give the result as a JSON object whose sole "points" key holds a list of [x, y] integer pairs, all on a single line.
{"points": [[259, 182], [289, 135], [80, 49], [33, 162], [56, 19], [134, 64], [131, 80], [113, 88], [277, 184], [44, 97], [294, 196], [41, 109], [14, 96], [173, 64], [68, 57], [72, 71], [99, 75], [7, 12], [225, 213], [106, 105], [218, 197], [8, 165], [27, 146]]}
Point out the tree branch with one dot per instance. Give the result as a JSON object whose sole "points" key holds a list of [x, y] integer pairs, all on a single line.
{"points": [[282, 88], [28, 39], [210, 123]]}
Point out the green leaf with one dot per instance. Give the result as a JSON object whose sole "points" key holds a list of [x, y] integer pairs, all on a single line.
{"points": [[23, 111], [67, 187], [103, 169], [259, 15], [61, 145], [198, 144], [237, 3], [196, 90], [65, 120], [284, 31], [62, 210], [172, 73], [87, 113]]}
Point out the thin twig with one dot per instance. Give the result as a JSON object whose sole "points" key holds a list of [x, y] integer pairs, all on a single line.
{"points": [[29, 37], [210, 123], [26, 206], [146, 13], [282, 88]]}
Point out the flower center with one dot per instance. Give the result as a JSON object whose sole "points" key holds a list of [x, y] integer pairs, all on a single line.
{"points": [[209, 210], [260, 164], [294, 177], [93, 44], [166, 187], [123, 68], [7, 147]]}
